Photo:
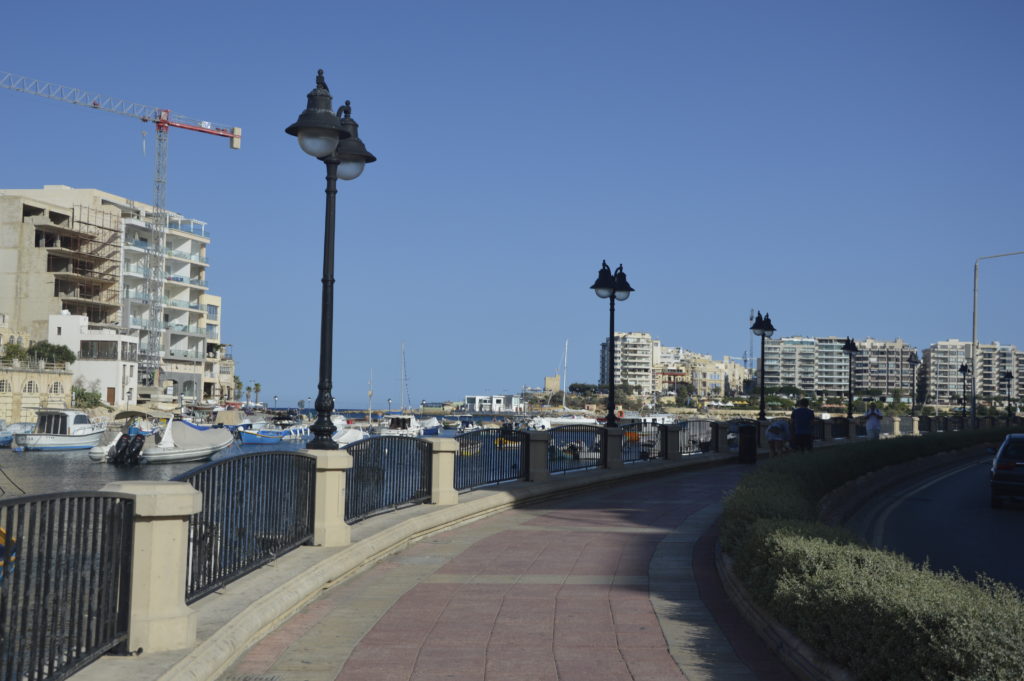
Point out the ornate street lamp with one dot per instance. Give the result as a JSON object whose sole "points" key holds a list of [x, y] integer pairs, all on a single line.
{"points": [[850, 348], [334, 139], [913, 361], [762, 327], [965, 371], [613, 287]]}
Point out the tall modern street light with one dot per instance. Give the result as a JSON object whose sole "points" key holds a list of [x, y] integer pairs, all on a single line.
{"points": [[613, 287], [762, 327], [334, 139], [850, 348], [914, 361], [974, 329], [965, 371], [1008, 377]]}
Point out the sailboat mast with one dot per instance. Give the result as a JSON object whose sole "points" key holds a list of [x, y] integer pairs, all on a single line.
{"points": [[405, 383], [369, 400]]}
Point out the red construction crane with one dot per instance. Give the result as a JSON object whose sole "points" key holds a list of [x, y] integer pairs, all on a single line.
{"points": [[162, 118]]}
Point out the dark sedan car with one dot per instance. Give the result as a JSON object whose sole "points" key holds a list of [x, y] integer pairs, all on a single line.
{"points": [[1008, 471]]}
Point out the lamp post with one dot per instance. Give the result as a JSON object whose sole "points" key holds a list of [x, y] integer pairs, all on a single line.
{"points": [[613, 288], [762, 327], [974, 326], [334, 139], [1008, 377], [275, 402], [964, 371], [914, 361], [850, 348]]}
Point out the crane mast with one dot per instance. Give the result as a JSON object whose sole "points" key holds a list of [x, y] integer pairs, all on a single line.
{"points": [[163, 119]]}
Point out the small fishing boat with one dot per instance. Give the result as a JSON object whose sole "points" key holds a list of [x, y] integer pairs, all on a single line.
{"points": [[60, 429], [262, 436], [430, 426], [405, 425]]}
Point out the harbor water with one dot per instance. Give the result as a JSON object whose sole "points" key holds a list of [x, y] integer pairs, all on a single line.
{"points": [[35, 472]]}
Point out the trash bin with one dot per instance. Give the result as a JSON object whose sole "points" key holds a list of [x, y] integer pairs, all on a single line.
{"points": [[747, 435]]}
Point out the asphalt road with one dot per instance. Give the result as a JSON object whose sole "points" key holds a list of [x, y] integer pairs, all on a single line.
{"points": [[948, 520]]}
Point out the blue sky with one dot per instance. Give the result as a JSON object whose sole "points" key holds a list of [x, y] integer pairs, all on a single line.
{"points": [[839, 165]]}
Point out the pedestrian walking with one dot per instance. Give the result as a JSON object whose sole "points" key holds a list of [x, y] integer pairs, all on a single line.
{"points": [[873, 421], [802, 421]]}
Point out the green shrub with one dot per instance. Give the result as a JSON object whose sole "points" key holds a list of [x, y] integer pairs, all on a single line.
{"points": [[869, 611]]}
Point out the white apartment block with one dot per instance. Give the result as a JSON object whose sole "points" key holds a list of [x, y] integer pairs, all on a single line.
{"points": [[112, 260], [818, 366], [493, 403], [107, 361], [944, 383], [644, 362]]}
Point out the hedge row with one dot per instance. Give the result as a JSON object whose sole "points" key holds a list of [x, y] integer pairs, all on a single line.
{"points": [[869, 611]]}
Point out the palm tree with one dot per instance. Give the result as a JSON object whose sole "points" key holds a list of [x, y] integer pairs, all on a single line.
{"points": [[248, 393], [256, 388], [238, 387]]}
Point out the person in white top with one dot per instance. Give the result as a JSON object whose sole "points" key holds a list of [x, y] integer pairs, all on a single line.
{"points": [[873, 421]]}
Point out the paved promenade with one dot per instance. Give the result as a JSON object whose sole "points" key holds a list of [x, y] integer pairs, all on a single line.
{"points": [[612, 584]]}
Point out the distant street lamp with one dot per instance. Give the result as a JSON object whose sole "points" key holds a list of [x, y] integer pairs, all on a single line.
{"points": [[613, 288], [762, 327], [850, 348], [1008, 377], [974, 327], [334, 139], [914, 361], [275, 401], [964, 371]]}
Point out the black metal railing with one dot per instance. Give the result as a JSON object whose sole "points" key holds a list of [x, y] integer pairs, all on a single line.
{"points": [[696, 437], [840, 427], [65, 581], [641, 441], [491, 456], [387, 472], [255, 508], [576, 447]]}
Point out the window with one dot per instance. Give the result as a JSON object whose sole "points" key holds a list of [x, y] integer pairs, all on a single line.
{"points": [[31, 387], [5, 386], [56, 388]]}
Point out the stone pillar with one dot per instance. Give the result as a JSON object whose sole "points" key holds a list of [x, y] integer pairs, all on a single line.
{"points": [[890, 426], [442, 471], [540, 440], [909, 425], [159, 619], [722, 438], [329, 526], [826, 430], [670, 434], [613, 448]]}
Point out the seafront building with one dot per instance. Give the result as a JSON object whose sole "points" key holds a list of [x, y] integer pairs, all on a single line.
{"points": [[653, 368], [124, 268]]}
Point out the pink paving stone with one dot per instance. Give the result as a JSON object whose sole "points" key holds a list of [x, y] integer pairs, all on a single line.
{"points": [[381, 654], [375, 672], [527, 591], [648, 665], [517, 663], [520, 639], [590, 664]]}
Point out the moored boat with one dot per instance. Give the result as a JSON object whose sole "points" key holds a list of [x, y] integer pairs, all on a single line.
{"points": [[174, 442], [60, 429], [7, 431], [405, 425], [262, 436]]}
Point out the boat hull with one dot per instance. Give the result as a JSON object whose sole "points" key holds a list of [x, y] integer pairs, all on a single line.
{"points": [[261, 437], [42, 442]]}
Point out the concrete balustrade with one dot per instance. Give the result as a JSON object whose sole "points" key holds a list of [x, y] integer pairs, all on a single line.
{"points": [[329, 526], [613, 448], [539, 442], [159, 618], [670, 435], [442, 472]]}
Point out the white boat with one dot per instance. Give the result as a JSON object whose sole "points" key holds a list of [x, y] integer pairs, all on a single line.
{"points": [[405, 425], [346, 435], [60, 429], [136, 421], [176, 442], [549, 422]]}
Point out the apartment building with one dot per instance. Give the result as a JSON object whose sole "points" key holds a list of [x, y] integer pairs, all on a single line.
{"points": [[107, 359], [643, 361], [818, 366], [945, 383], [121, 265], [634, 361]]}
